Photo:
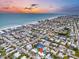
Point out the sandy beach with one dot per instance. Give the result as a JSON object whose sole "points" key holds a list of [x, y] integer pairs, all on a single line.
{"points": [[15, 26]]}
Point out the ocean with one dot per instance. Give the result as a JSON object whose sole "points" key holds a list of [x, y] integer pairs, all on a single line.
{"points": [[7, 19]]}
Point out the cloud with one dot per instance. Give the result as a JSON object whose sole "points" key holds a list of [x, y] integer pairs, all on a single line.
{"points": [[34, 5], [70, 9], [31, 7], [21, 10]]}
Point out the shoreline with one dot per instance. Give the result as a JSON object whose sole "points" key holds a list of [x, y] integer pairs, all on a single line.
{"points": [[25, 24]]}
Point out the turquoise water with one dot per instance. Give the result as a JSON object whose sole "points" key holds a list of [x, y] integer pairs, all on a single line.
{"points": [[18, 19]]}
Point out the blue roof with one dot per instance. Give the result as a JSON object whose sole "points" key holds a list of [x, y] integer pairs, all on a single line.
{"points": [[39, 45]]}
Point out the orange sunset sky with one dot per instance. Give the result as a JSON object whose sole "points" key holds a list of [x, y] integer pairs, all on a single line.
{"points": [[26, 6], [38, 6]]}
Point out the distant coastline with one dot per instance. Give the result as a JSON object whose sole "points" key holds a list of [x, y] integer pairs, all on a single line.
{"points": [[32, 22]]}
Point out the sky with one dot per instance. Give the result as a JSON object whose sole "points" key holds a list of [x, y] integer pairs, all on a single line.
{"points": [[39, 6]]}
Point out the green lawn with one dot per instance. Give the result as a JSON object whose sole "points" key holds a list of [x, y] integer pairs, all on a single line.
{"points": [[66, 57], [77, 53], [2, 51]]}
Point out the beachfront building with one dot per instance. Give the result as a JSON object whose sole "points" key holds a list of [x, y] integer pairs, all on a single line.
{"points": [[78, 40]]}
